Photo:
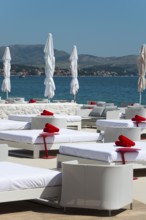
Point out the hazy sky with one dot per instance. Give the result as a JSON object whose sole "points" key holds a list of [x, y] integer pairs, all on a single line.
{"points": [[97, 27]]}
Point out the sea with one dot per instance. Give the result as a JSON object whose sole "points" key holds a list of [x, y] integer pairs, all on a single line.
{"points": [[118, 90]]}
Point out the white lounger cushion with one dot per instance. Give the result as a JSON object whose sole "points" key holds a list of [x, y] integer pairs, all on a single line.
{"points": [[69, 118], [15, 177], [115, 123], [28, 118], [119, 123], [64, 136], [13, 125], [104, 152], [22, 117]]}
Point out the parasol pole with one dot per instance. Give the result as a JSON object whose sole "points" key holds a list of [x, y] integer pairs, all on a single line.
{"points": [[75, 98], [6, 94], [140, 98]]}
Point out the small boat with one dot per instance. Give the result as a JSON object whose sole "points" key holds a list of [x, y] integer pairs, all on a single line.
{"points": [[22, 75]]}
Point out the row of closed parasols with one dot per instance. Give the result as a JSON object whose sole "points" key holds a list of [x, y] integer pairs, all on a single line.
{"points": [[49, 70]]}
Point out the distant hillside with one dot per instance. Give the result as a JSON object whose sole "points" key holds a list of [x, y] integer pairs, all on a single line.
{"points": [[33, 55]]}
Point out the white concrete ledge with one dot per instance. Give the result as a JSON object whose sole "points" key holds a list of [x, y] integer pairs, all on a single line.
{"points": [[37, 108]]}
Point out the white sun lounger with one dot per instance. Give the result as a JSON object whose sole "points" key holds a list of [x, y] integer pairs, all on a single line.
{"points": [[102, 124], [6, 124], [101, 153], [71, 120], [21, 182], [31, 140]]}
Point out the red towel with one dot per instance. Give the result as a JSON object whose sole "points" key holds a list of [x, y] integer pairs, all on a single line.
{"points": [[93, 103], [124, 141], [125, 150], [50, 128], [46, 112], [32, 101], [122, 144], [138, 119]]}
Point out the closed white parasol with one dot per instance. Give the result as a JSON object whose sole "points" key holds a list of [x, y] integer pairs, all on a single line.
{"points": [[141, 63], [74, 87], [49, 67], [6, 84]]}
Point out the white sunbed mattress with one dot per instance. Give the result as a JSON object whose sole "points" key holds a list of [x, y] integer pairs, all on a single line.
{"points": [[104, 152], [28, 118], [69, 118], [64, 136], [15, 176], [22, 117], [115, 123], [13, 125]]}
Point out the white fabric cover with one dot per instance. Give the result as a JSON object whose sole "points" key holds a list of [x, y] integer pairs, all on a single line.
{"points": [[49, 67], [64, 136], [69, 118], [22, 117], [15, 176], [74, 71], [115, 123], [119, 123], [6, 124], [6, 84], [104, 152]]}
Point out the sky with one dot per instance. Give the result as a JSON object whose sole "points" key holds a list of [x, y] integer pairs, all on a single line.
{"points": [[103, 28]]}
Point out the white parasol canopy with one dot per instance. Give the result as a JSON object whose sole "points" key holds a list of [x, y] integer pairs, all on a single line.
{"points": [[141, 63], [49, 67], [74, 87], [6, 85]]}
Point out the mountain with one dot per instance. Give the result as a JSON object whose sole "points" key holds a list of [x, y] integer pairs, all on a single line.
{"points": [[33, 55]]}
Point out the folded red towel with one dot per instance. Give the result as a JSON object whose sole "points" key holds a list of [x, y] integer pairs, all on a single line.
{"points": [[32, 101], [136, 121], [50, 128], [124, 141], [122, 144], [46, 112], [138, 118], [93, 103], [119, 143]]}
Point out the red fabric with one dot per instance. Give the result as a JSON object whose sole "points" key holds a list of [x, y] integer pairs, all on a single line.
{"points": [[138, 119], [32, 101], [124, 141], [50, 128], [127, 149], [44, 135], [124, 150], [118, 143], [46, 112], [93, 103]]}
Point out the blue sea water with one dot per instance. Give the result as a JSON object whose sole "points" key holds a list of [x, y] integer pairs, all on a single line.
{"points": [[110, 89]]}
